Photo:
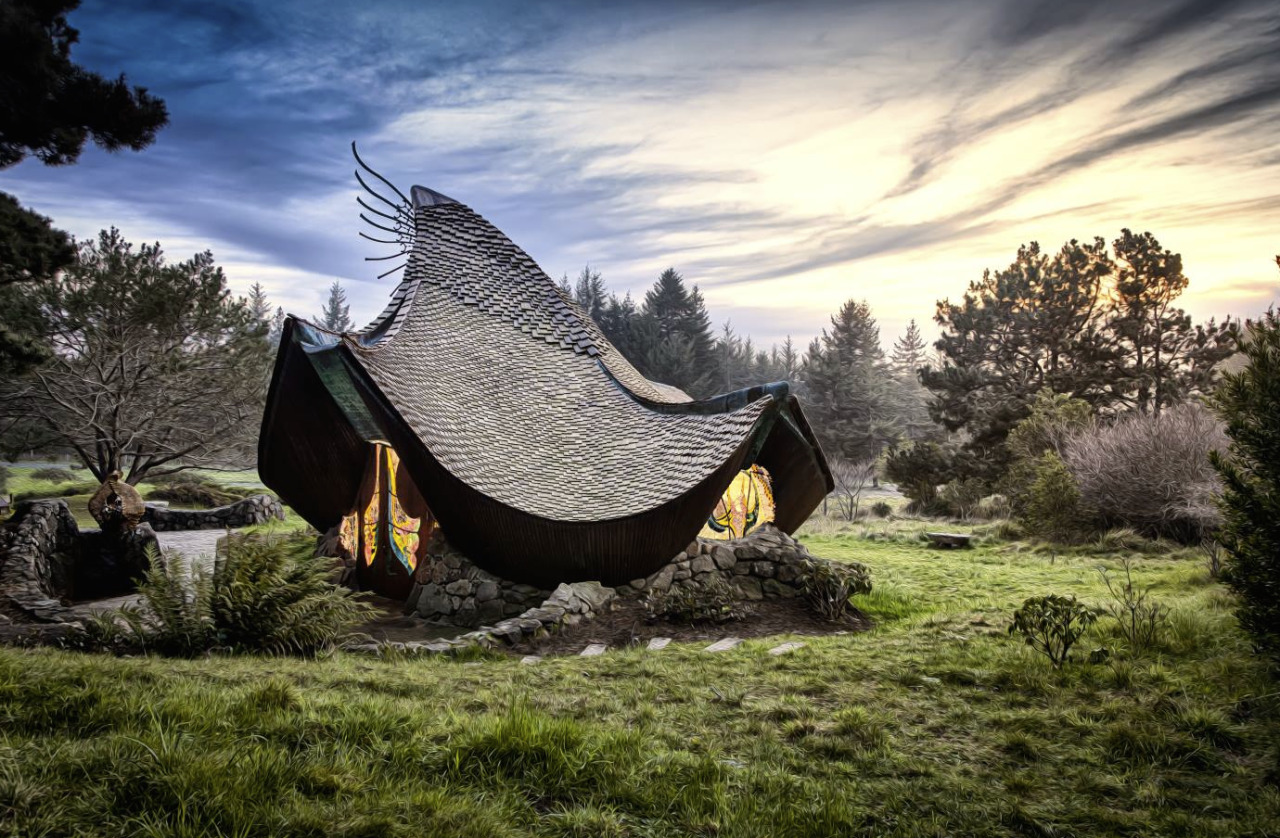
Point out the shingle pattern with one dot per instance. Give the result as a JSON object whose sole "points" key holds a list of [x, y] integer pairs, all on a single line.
{"points": [[502, 379]]}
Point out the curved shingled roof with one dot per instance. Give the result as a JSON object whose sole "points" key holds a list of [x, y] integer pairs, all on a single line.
{"points": [[518, 402]]}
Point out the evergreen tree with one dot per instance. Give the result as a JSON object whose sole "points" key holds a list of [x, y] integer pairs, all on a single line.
{"points": [[337, 314], [259, 305], [909, 351], [672, 309], [1249, 403], [911, 398], [276, 332], [1160, 356], [850, 391], [590, 293]]}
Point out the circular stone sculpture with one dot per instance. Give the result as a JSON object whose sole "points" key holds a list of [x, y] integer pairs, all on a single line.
{"points": [[116, 504]]}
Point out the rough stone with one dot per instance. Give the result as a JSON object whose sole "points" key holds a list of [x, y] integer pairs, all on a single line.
{"points": [[680, 574], [460, 587], [748, 587], [748, 552], [723, 557], [764, 569], [490, 610], [487, 590], [702, 564], [774, 588]]}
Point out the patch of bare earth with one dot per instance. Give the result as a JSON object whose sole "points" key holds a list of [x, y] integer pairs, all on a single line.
{"points": [[627, 625]]}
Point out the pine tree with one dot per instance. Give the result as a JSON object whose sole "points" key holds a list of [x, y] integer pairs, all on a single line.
{"points": [[277, 327], [337, 314], [909, 351], [1161, 357], [673, 309], [849, 388], [911, 398], [590, 293], [259, 306]]}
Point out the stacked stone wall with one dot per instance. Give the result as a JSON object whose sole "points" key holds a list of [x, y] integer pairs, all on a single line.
{"points": [[453, 590], [256, 509]]}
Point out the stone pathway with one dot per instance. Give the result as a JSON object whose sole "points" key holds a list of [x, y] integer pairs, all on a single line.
{"points": [[195, 546]]}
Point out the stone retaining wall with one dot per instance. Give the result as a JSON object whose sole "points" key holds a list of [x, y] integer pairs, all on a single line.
{"points": [[455, 591], [45, 558], [255, 509]]}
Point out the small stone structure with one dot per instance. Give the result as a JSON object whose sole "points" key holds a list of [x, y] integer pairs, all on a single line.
{"points": [[45, 558], [255, 509], [456, 592]]}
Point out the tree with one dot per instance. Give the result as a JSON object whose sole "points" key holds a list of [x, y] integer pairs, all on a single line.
{"points": [[590, 293], [1249, 402], [911, 398], [31, 250], [276, 330], [153, 367], [1160, 356], [337, 314], [909, 351], [49, 106], [677, 314], [849, 388]]}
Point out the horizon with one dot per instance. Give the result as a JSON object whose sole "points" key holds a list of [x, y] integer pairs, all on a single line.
{"points": [[783, 160]]}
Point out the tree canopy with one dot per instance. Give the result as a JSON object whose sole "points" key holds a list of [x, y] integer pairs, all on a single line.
{"points": [[151, 367], [50, 106]]}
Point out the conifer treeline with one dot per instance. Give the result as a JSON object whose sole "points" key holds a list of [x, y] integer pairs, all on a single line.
{"points": [[857, 399]]}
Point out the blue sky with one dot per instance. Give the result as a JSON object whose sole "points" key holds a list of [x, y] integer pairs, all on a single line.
{"points": [[783, 156]]}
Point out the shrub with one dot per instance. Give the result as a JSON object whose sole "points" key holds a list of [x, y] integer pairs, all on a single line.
{"points": [[1053, 509], [828, 586], [714, 601], [1249, 402], [1053, 418], [1052, 624], [63, 491], [1140, 618], [881, 509], [264, 595], [960, 498], [918, 470], [992, 507], [54, 475], [1151, 473]]}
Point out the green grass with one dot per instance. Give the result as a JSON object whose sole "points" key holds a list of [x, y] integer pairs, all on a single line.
{"points": [[935, 723]]}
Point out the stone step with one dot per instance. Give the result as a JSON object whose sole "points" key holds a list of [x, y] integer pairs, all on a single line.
{"points": [[658, 643], [530, 660], [594, 650], [723, 645], [786, 647]]}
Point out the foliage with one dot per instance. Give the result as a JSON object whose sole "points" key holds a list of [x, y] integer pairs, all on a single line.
{"points": [[714, 601], [199, 495], [1052, 624], [32, 250], [336, 316], [1079, 323], [881, 509], [53, 474], [263, 595], [1151, 472], [1054, 509], [960, 498], [911, 399], [49, 106], [919, 469], [1249, 403], [153, 366], [1140, 617], [1052, 420], [850, 394], [828, 586], [851, 479], [62, 491]]}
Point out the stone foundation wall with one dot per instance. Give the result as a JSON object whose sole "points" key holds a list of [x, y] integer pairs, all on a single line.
{"points": [[767, 564], [255, 509], [453, 590]]}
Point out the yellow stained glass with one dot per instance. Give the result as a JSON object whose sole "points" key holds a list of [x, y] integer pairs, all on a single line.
{"points": [[370, 523], [349, 533], [402, 529], [745, 505]]}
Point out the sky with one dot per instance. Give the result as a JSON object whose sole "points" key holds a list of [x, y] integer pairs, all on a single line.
{"points": [[783, 156]]}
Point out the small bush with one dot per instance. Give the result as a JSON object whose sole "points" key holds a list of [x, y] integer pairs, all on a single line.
{"points": [[1151, 473], [1054, 510], [918, 470], [881, 509], [1052, 624], [54, 475], [1141, 618], [714, 601], [63, 491], [961, 497], [828, 586], [264, 595], [993, 507]]}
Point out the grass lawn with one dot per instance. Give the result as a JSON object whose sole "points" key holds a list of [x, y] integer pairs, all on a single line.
{"points": [[936, 723]]}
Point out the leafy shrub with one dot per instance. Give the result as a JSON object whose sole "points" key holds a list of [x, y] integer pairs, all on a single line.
{"points": [[714, 601], [54, 475], [992, 507], [918, 470], [1052, 624], [960, 498], [1249, 402], [1054, 509], [264, 595], [881, 509], [1053, 418], [828, 586], [1152, 473], [1140, 618]]}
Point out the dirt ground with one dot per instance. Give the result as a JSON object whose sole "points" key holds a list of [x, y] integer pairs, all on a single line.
{"points": [[626, 625]]}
